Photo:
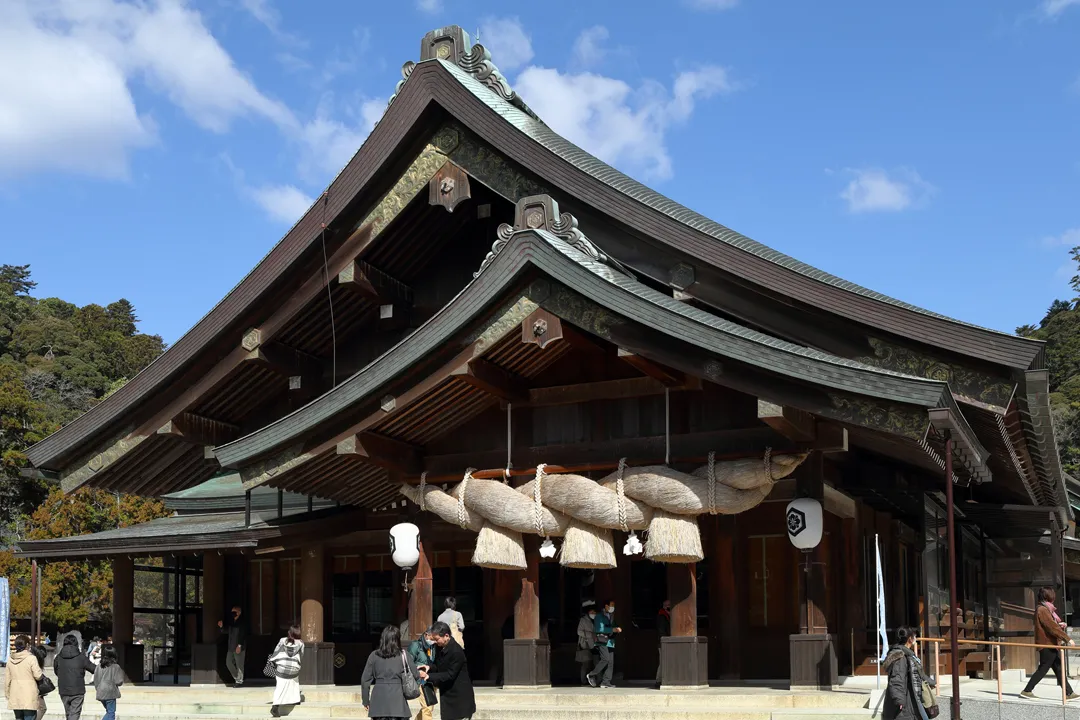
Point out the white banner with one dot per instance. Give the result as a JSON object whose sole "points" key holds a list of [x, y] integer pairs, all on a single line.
{"points": [[881, 605], [5, 620]]}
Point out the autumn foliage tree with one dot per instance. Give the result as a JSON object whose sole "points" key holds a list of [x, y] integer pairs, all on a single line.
{"points": [[57, 360]]}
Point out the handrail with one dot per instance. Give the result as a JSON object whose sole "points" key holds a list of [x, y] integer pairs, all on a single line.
{"points": [[996, 646]]}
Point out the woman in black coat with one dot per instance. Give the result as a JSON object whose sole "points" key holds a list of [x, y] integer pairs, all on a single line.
{"points": [[903, 697], [450, 673], [381, 690]]}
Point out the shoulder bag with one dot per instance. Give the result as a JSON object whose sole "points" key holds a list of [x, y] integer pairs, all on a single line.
{"points": [[44, 685], [409, 687]]}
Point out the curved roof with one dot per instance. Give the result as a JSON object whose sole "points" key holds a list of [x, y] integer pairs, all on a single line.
{"points": [[537, 148], [620, 294]]}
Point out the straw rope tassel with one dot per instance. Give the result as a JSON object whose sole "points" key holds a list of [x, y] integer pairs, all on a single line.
{"points": [[461, 498], [423, 498], [712, 483], [538, 508], [621, 492]]}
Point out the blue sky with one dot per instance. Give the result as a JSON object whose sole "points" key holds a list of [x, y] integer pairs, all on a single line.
{"points": [[927, 150]]}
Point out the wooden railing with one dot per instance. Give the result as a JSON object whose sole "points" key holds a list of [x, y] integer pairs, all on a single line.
{"points": [[995, 649]]}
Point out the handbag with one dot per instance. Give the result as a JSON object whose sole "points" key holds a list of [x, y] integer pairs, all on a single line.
{"points": [[929, 701], [409, 687], [430, 699], [268, 669], [44, 685]]}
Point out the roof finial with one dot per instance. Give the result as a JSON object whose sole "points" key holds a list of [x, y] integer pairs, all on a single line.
{"points": [[478, 34]]}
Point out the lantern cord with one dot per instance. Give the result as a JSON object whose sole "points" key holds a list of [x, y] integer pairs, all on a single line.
{"points": [[538, 508], [712, 483], [423, 484], [509, 444], [461, 498], [620, 490], [667, 426]]}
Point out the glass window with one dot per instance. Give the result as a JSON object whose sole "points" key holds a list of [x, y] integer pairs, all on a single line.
{"points": [[379, 600]]}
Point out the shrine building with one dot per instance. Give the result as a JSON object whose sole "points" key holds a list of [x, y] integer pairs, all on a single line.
{"points": [[577, 389]]}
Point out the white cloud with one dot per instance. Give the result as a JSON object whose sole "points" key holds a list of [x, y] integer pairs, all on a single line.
{"points": [[286, 203], [874, 190], [1069, 238], [712, 4], [508, 42], [589, 47], [429, 6], [619, 124], [264, 12], [1053, 8], [329, 143], [67, 68]]}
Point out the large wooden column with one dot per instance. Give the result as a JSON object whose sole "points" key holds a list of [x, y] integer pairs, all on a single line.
{"points": [[207, 654], [813, 655], [527, 658], [318, 665], [421, 597], [128, 653], [684, 657], [725, 603]]}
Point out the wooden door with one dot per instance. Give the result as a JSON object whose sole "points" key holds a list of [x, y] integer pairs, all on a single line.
{"points": [[772, 607]]}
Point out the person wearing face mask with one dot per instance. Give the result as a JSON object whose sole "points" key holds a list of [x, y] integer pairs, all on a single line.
{"points": [[606, 630], [586, 639]]}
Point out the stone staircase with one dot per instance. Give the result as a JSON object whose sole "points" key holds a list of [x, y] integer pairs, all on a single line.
{"points": [[742, 703]]}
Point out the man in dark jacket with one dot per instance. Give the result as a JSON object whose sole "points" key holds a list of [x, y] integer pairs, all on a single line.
{"points": [[71, 667], [663, 629], [236, 652], [450, 673]]}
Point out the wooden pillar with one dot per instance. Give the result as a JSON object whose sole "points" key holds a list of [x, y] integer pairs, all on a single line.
{"points": [[129, 655], [684, 657], [205, 655], [123, 605], [813, 655], [421, 598], [526, 658], [725, 611], [318, 665]]}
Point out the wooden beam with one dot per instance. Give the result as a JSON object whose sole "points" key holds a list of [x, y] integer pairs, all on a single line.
{"points": [[373, 284], [382, 451], [493, 380], [665, 375], [692, 445], [796, 425], [71, 481], [602, 390], [306, 373], [200, 430]]}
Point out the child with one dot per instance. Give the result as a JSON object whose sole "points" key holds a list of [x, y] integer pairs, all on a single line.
{"points": [[107, 681]]}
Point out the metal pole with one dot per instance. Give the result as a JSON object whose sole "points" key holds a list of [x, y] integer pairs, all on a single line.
{"points": [[950, 509], [877, 604], [33, 600], [986, 588], [178, 618]]}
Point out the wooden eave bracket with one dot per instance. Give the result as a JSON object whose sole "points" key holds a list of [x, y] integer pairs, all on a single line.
{"points": [[541, 328], [493, 380], [803, 428], [383, 451], [666, 376], [374, 285], [199, 430], [304, 371]]}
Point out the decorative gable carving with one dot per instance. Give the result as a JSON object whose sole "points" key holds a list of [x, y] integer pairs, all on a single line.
{"points": [[454, 45], [541, 212]]}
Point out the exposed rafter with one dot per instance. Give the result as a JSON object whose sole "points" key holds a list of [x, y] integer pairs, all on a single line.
{"points": [[666, 376], [493, 380]]}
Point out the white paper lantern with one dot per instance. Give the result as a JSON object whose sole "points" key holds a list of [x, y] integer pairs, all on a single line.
{"points": [[804, 523], [405, 544]]}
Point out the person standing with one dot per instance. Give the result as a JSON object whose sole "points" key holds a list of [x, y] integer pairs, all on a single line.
{"points": [[41, 653], [606, 630], [903, 699], [286, 661], [1049, 630], [236, 652], [107, 681], [663, 630], [586, 640], [72, 665], [454, 620], [450, 673], [421, 652], [381, 689], [20, 680]]}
